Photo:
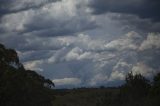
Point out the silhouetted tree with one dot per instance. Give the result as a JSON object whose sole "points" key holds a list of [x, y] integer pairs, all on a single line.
{"points": [[156, 85], [20, 87], [136, 86]]}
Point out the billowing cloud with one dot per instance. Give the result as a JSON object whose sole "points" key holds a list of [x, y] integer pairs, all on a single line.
{"points": [[77, 54], [129, 41], [141, 68], [33, 65], [54, 19], [116, 75], [152, 41], [83, 42]]}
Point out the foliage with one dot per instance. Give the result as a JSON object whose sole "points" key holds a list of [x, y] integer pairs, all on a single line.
{"points": [[136, 86], [20, 87], [156, 85]]}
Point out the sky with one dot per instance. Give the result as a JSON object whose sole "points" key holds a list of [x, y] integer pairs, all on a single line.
{"points": [[83, 43]]}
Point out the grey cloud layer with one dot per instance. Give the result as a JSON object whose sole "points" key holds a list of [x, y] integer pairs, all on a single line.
{"points": [[54, 19], [67, 43], [143, 8], [15, 6]]}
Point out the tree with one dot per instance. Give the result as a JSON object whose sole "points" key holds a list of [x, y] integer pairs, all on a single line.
{"points": [[156, 85], [20, 87], [136, 86]]}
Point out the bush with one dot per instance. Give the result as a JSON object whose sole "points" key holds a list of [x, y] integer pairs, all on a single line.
{"points": [[20, 87], [136, 86]]}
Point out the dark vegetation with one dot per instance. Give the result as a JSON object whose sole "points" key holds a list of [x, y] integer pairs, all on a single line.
{"points": [[20, 87], [137, 91]]}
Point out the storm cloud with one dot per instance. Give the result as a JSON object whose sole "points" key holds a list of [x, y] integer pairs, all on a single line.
{"points": [[15, 6], [142, 8], [83, 43]]}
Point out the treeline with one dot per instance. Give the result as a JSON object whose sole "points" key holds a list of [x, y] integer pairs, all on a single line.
{"points": [[20, 87], [137, 91]]}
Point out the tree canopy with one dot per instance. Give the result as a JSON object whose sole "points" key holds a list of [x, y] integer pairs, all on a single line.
{"points": [[20, 87]]}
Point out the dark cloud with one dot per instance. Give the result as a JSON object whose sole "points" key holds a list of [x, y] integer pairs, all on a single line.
{"points": [[135, 23], [51, 28], [67, 43], [15, 6], [142, 8], [35, 55], [54, 19]]}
